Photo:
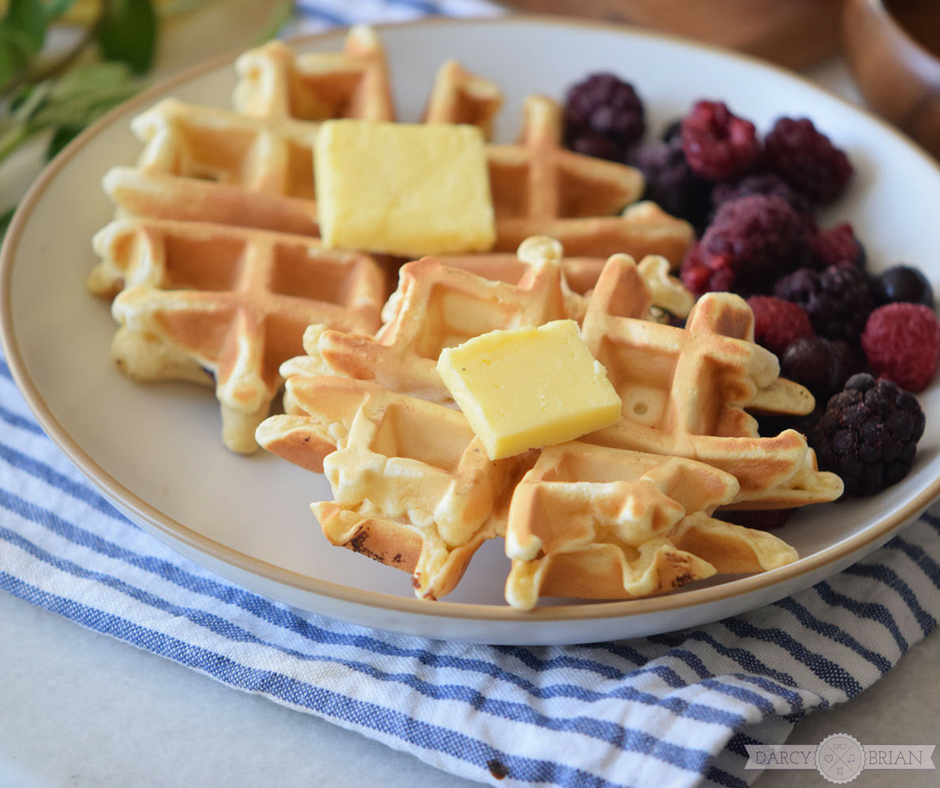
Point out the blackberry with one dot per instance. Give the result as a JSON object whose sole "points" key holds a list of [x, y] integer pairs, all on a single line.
{"points": [[604, 116], [768, 184], [837, 299], [670, 182], [752, 242], [718, 145], [820, 364], [868, 434], [836, 245], [903, 283], [590, 143], [760, 519], [807, 159]]}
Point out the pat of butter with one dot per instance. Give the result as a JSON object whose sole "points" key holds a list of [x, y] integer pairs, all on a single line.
{"points": [[403, 189], [525, 388]]}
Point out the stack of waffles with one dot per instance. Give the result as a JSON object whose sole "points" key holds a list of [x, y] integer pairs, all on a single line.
{"points": [[218, 276]]}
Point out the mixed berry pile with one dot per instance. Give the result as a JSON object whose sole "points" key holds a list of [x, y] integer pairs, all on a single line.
{"points": [[863, 343]]}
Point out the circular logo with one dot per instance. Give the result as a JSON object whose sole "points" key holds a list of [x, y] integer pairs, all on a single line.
{"points": [[840, 758]]}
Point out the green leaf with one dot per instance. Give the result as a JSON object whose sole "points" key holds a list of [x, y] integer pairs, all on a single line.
{"points": [[129, 34], [15, 53], [5, 218], [28, 17], [280, 16], [85, 93], [56, 8], [62, 137]]}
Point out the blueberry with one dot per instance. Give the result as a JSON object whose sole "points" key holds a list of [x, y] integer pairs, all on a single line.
{"points": [[904, 283], [823, 366]]}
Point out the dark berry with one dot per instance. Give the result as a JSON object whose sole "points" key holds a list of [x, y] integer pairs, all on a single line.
{"points": [[590, 143], [868, 434], [700, 279], [807, 159], [820, 364], [778, 323], [761, 519], [718, 144], [901, 342], [603, 108], [838, 299], [670, 182], [672, 131], [767, 184], [751, 243], [837, 245], [904, 283]]}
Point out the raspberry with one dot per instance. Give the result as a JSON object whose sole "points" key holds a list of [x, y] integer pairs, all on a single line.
{"points": [[820, 364], [670, 182], [699, 278], [717, 144], [767, 184], [836, 245], [751, 243], [778, 323], [868, 434], [901, 342], [904, 283], [603, 116], [807, 159], [838, 299]]}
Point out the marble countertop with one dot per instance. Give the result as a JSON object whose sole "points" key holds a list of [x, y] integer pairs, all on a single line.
{"points": [[82, 710]]}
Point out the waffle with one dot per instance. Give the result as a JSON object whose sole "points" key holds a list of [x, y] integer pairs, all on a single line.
{"points": [[436, 307], [592, 522], [226, 306], [252, 167], [587, 204], [412, 486], [685, 391], [458, 96], [668, 296], [276, 83]]}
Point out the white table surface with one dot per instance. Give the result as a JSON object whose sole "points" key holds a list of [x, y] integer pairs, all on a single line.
{"points": [[83, 710]]}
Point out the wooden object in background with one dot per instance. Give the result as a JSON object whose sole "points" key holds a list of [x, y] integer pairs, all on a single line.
{"points": [[792, 33], [893, 51]]}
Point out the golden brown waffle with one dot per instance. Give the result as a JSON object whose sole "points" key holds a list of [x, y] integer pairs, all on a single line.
{"points": [[685, 391], [459, 96], [412, 485], [587, 204], [668, 296], [436, 307], [252, 167], [592, 522], [538, 186], [274, 82], [226, 306]]}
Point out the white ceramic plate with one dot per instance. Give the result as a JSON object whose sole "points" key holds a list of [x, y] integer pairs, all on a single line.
{"points": [[155, 450]]}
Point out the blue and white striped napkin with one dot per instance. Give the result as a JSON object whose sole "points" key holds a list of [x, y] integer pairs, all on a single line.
{"points": [[673, 710]]}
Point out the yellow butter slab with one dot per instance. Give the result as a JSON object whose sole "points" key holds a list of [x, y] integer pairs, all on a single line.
{"points": [[403, 189], [525, 388]]}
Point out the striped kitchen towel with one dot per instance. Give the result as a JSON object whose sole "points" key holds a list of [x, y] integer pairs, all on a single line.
{"points": [[673, 710]]}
